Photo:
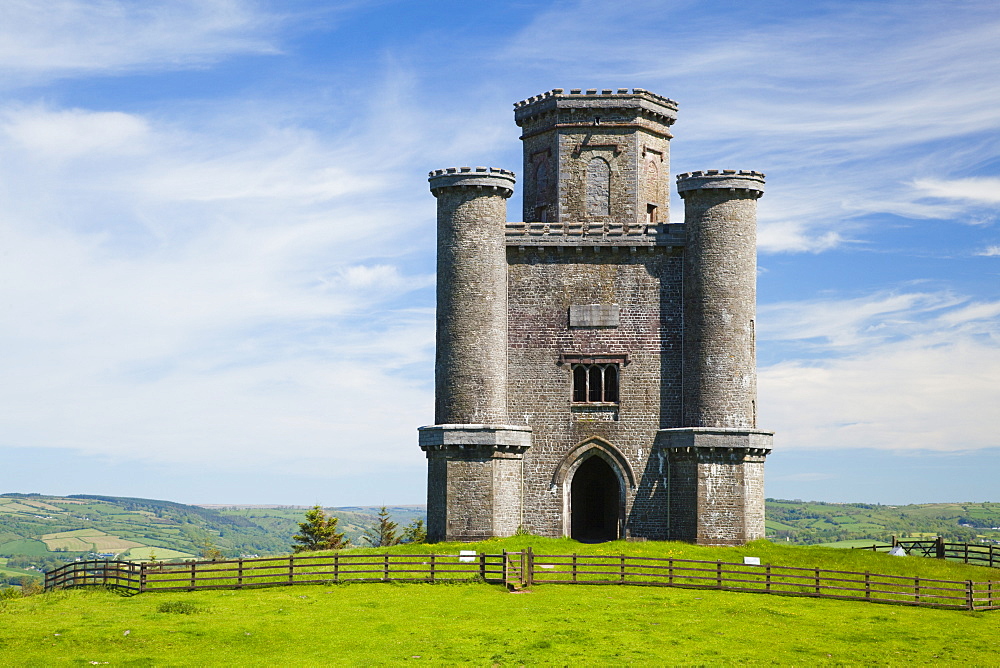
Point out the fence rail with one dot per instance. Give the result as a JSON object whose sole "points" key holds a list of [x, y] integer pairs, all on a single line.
{"points": [[977, 554], [522, 569], [767, 579], [270, 571]]}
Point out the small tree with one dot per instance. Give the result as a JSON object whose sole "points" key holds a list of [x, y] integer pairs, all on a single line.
{"points": [[383, 534], [209, 550], [318, 532], [415, 532]]}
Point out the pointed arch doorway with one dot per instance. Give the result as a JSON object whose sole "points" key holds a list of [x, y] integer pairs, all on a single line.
{"points": [[595, 502]]}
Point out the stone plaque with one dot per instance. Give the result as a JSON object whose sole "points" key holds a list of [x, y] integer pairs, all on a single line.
{"points": [[593, 315]]}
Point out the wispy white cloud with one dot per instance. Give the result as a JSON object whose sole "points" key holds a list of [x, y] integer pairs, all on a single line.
{"points": [[42, 40], [182, 296], [990, 251], [891, 371], [985, 190]]}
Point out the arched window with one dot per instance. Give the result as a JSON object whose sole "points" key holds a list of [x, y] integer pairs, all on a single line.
{"points": [[598, 187], [542, 181]]}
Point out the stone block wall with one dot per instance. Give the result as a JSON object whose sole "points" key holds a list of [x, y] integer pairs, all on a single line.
{"points": [[545, 283]]}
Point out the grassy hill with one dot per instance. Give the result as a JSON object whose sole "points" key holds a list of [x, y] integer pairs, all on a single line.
{"points": [[813, 522], [38, 532], [376, 624]]}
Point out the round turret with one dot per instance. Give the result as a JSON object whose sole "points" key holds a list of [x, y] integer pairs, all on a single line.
{"points": [[720, 293], [471, 362]]}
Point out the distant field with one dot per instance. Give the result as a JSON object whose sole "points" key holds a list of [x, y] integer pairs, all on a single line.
{"points": [[6, 572], [146, 553], [25, 546], [71, 544], [852, 543], [75, 533]]}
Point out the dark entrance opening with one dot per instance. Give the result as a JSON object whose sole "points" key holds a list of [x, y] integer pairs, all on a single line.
{"points": [[595, 499]]}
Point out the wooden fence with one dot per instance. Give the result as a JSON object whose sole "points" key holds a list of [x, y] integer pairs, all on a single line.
{"points": [[765, 579], [523, 569], [294, 569], [977, 554]]}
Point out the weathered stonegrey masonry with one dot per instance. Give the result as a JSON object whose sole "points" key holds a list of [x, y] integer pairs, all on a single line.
{"points": [[596, 373]]}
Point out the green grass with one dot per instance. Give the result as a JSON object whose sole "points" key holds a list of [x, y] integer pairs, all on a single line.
{"points": [[376, 624], [26, 546], [480, 624]]}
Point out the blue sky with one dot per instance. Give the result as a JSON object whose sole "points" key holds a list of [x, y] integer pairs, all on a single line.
{"points": [[217, 241]]}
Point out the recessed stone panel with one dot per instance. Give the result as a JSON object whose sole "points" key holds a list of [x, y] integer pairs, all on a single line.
{"points": [[594, 315]]}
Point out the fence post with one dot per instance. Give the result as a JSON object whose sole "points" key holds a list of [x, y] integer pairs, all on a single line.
{"points": [[894, 541], [531, 567], [670, 571], [239, 573], [939, 547], [336, 567], [767, 577], [868, 586], [621, 578], [482, 566], [817, 579], [991, 555], [916, 589], [194, 566], [291, 569], [524, 567], [504, 567], [718, 573], [385, 569], [965, 559], [574, 567], [970, 595], [142, 576]]}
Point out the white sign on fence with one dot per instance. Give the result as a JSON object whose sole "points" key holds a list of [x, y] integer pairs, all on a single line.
{"points": [[467, 555], [751, 561]]}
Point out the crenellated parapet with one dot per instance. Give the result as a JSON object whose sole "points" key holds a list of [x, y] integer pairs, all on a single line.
{"points": [[578, 106], [721, 179], [594, 234], [473, 177]]}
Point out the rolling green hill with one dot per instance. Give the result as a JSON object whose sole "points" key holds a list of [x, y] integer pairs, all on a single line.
{"points": [[38, 532], [813, 522]]}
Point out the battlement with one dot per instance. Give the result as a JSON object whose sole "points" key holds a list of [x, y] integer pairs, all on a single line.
{"points": [[593, 234], [729, 179], [637, 102], [477, 177], [579, 93]]}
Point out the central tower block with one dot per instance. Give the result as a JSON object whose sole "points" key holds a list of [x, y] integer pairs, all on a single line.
{"points": [[596, 156]]}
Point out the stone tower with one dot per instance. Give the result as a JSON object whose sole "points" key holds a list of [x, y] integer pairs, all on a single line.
{"points": [[595, 371]]}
